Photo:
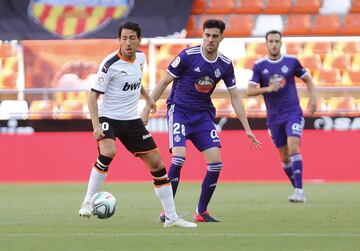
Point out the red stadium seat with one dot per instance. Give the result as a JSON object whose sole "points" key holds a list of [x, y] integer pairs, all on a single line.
{"points": [[325, 25], [306, 6], [198, 7], [249, 7], [351, 25], [277, 7], [297, 24], [220, 6], [239, 25]]}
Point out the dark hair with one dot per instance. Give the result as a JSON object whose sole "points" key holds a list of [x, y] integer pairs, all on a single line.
{"points": [[214, 23], [272, 32], [130, 26]]}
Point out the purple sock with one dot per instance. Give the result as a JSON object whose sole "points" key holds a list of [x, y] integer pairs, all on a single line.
{"points": [[288, 170], [208, 185], [296, 160], [174, 172]]}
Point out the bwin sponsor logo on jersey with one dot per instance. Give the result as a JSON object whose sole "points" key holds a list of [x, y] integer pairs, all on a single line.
{"points": [[132, 86]]}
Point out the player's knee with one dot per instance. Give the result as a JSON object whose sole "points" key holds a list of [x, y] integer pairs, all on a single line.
{"points": [[108, 151], [102, 163]]}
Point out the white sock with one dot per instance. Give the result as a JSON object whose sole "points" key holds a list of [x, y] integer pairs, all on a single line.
{"points": [[164, 193], [95, 181]]}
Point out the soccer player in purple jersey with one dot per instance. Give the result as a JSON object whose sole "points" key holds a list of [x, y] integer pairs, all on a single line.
{"points": [[195, 73], [276, 76]]}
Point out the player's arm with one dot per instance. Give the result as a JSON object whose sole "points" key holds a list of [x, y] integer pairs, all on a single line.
{"points": [[156, 94], [93, 110], [253, 90], [237, 104], [149, 101], [311, 89]]}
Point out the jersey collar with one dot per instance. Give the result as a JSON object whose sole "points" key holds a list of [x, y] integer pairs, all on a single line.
{"points": [[274, 61], [207, 60], [126, 59]]}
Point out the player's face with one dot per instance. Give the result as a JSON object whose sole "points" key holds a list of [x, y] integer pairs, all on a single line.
{"points": [[211, 39], [129, 42], [273, 45]]}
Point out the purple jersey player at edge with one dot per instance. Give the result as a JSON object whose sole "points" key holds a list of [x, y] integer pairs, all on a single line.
{"points": [[195, 73], [276, 76]]}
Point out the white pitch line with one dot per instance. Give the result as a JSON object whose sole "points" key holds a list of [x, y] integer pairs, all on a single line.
{"points": [[311, 235]]}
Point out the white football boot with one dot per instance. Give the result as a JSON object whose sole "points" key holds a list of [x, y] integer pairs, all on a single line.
{"points": [[178, 222], [298, 196], [85, 210]]}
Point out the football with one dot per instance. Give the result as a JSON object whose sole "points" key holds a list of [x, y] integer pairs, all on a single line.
{"points": [[103, 205]]}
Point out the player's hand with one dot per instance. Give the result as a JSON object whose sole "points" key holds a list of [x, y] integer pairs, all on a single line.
{"points": [[145, 115], [151, 104], [274, 86], [98, 133], [312, 104], [253, 141]]}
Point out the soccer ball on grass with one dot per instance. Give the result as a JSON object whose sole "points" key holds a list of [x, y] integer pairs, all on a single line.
{"points": [[103, 205]]}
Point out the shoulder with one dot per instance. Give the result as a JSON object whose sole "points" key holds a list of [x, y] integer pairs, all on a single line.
{"points": [[260, 61], [290, 58], [108, 61], [192, 50], [224, 58]]}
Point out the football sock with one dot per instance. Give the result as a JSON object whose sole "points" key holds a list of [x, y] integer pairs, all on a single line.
{"points": [[296, 160], [97, 176], [288, 170], [163, 191], [174, 172], [208, 185]]}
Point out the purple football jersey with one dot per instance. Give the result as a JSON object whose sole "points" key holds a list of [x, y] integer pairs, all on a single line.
{"points": [[284, 103], [196, 78]]}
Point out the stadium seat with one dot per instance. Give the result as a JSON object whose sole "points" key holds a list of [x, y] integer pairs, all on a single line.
{"points": [[347, 47], [355, 6], [310, 62], [340, 104], [341, 62], [323, 77], [239, 25], [73, 109], [219, 6], [246, 62], [264, 23], [249, 7], [294, 48], [297, 24], [16, 109], [11, 64], [43, 109], [255, 49], [351, 78], [335, 7], [325, 25], [277, 7], [191, 26], [306, 6], [320, 48], [8, 80], [198, 7], [355, 64], [351, 25]]}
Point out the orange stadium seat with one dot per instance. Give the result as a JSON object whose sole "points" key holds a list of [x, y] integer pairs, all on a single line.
{"points": [[351, 25], [43, 109], [351, 78], [73, 109], [311, 62], [325, 25], [355, 6], [220, 6], [249, 7], [344, 47], [340, 104], [294, 48], [8, 80], [239, 25], [323, 77], [246, 62], [297, 24], [355, 64], [253, 48], [198, 7], [191, 26], [320, 48], [306, 6], [341, 62], [277, 7]]}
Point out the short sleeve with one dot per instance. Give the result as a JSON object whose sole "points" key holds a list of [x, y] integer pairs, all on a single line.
{"points": [[229, 77], [178, 65], [102, 79], [255, 79], [299, 70]]}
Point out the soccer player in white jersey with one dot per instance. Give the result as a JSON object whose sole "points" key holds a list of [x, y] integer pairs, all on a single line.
{"points": [[119, 80], [195, 73], [274, 78]]}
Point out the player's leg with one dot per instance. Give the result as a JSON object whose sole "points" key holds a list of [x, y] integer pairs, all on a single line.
{"points": [[286, 163], [163, 189], [107, 151], [177, 162], [294, 131]]}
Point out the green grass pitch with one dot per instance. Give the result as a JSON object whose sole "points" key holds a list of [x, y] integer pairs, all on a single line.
{"points": [[255, 216]]}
